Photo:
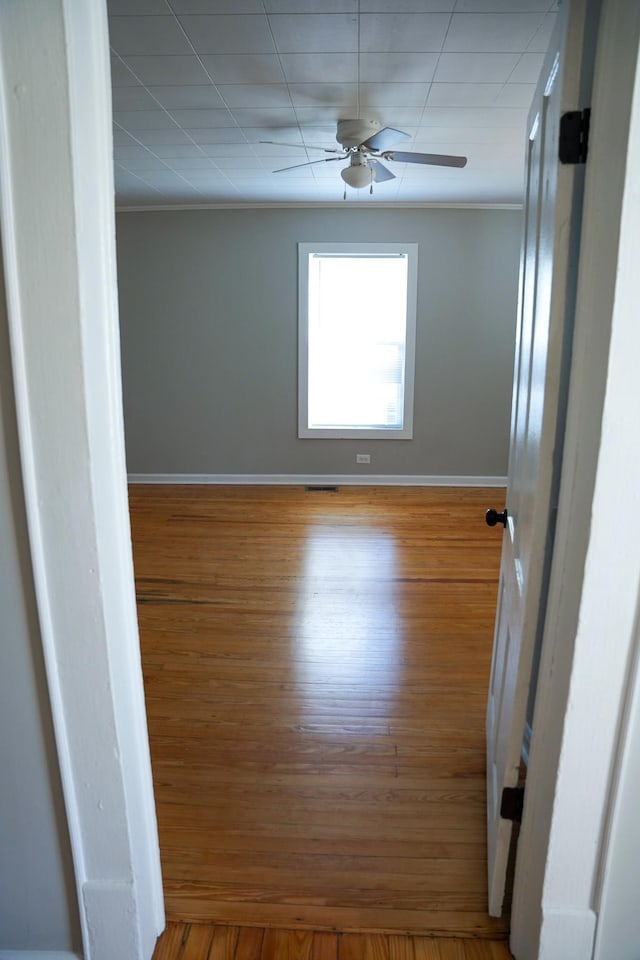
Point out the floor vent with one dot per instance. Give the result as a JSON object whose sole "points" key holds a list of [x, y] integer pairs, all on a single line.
{"points": [[316, 489]]}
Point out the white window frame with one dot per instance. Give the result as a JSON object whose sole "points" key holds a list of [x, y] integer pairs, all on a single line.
{"points": [[410, 250]]}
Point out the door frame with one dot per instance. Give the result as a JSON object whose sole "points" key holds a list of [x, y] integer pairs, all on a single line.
{"points": [[58, 245], [590, 634], [75, 490]]}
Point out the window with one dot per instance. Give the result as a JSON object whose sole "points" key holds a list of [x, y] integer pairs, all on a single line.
{"points": [[357, 318]]}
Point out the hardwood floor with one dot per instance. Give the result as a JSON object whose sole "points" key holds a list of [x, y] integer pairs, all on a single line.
{"points": [[183, 941], [316, 669]]}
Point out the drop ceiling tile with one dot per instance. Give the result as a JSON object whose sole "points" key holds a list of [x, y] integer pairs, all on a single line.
{"points": [[502, 6], [121, 76], [257, 175], [189, 163], [311, 6], [402, 118], [393, 94], [132, 98], [320, 67], [163, 178], [397, 67], [151, 137], [315, 33], [269, 151], [494, 156], [169, 151], [147, 35], [202, 119], [409, 6], [319, 135], [167, 71], [475, 67], [125, 154], [183, 194], [320, 116], [255, 95], [132, 188], [473, 117], [121, 136], [427, 138], [224, 150], [527, 69], [519, 95], [217, 135], [491, 32], [203, 176], [267, 118], [145, 8], [244, 68], [299, 172], [149, 162], [324, 94], [144, 119], [229, 34], [239, 163], [416, 32], [286, 134], [187, 97], [181, 7], [540, 41], [464, 94]]}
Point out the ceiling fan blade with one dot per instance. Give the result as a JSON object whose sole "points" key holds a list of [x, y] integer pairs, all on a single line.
{"points": [[380, 172], [384, 138], [434, 159], [312, 163], [302, 146]]}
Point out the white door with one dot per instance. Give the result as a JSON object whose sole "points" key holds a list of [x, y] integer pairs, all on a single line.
{"points": [[547, 278]]}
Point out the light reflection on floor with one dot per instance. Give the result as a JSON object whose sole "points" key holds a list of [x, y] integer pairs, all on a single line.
{"points": [[347, 597]]}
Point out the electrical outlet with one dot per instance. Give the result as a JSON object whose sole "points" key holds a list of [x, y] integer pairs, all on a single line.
{"points": [[363, 458]]}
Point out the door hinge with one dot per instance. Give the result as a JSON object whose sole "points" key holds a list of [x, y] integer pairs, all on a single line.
{"points": [[512, 803], [574, 136]]}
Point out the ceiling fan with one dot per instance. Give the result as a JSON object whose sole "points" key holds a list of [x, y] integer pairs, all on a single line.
{"points": [[364, 143]]}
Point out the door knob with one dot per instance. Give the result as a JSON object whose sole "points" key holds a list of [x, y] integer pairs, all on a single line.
{"points": [[492, 517]]}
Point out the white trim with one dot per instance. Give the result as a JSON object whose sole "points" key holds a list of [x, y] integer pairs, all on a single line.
{"points": [[320, 479], [306, 253], [142, 208], [58, 245]]}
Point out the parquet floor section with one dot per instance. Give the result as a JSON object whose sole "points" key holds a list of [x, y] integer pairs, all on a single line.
{"points": [[316, 669], [183, 941]]}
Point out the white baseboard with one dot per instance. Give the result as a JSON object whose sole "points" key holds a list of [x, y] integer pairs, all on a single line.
{"points": [[299, 479]]}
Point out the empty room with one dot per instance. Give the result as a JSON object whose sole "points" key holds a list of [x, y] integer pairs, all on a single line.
{"points": [[317, 384], [308, 446]]}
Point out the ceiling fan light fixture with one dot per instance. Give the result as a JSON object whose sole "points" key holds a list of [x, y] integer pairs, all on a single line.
{"points": [[357, 176]]}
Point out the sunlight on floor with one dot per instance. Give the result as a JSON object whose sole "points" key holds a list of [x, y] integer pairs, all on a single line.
{"points": [[342, 567]]}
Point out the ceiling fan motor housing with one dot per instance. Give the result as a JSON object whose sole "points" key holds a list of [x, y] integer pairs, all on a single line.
{"points": [[351, 133]]}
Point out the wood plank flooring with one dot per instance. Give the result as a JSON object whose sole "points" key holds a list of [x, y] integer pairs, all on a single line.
{"points": [[316, 669], [197, 941]]}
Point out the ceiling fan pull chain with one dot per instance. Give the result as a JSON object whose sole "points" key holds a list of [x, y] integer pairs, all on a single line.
{"points": [[344, 197]]}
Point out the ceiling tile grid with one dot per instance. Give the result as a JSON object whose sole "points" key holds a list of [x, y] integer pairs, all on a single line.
{"points": [[199, 85]]}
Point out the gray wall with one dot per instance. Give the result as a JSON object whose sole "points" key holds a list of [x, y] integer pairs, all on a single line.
{"points": [[208, 309], [38, 908]]}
